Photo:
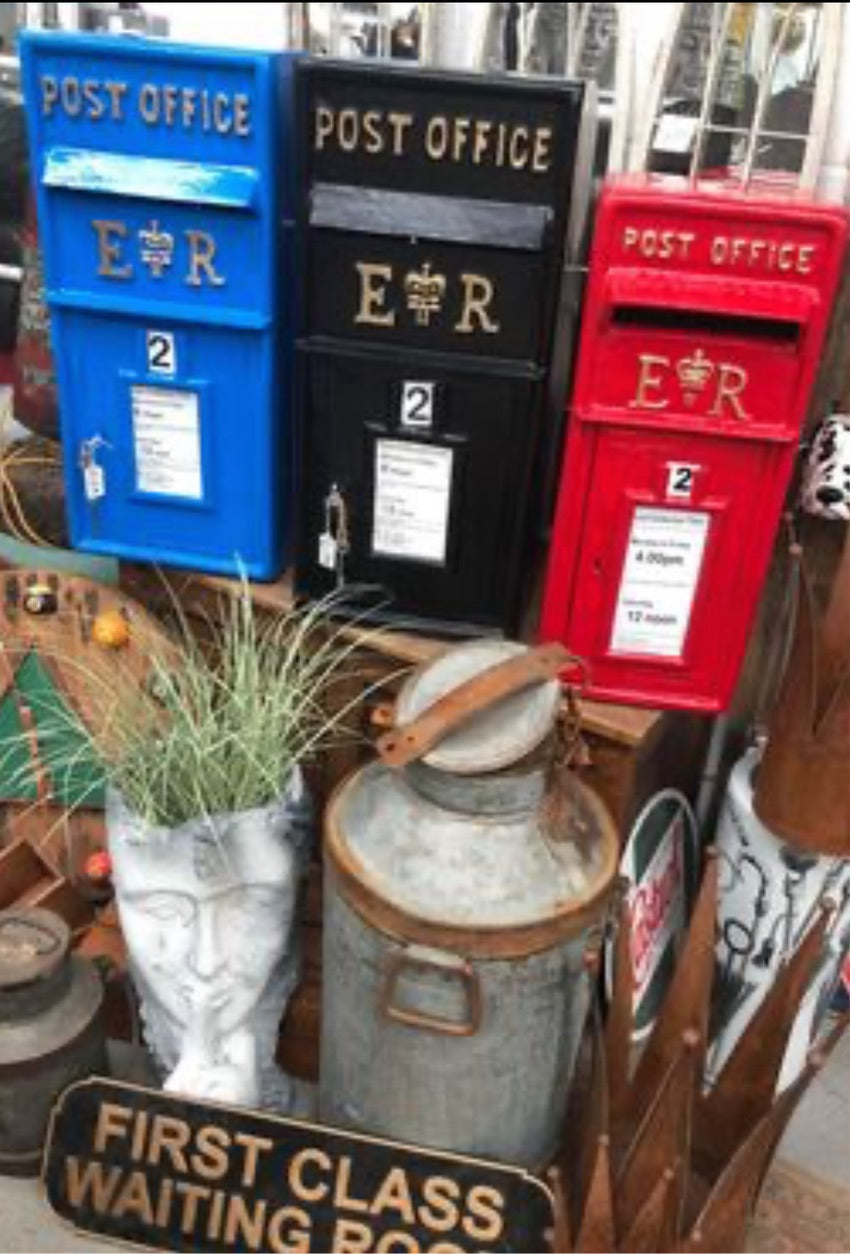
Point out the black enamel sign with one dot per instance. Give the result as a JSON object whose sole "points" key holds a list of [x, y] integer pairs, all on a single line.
{"points": [[157, 1170], [439, 221]]}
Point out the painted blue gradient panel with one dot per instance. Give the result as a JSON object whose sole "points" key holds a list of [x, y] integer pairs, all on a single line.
{"points": [[162, 174]]}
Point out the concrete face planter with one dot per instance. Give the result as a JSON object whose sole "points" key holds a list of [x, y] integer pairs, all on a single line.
{"points": [[208, 911]]}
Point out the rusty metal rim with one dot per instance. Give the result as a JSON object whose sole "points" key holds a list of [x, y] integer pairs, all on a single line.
{"points": [[516, 941]]}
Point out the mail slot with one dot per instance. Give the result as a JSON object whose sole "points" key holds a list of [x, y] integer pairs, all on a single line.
{"points": [[440, 224], [157, 171], [704, 322]]}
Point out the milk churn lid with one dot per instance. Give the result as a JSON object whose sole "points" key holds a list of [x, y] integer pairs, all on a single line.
{"points": [[33, 945], [496, 737]]}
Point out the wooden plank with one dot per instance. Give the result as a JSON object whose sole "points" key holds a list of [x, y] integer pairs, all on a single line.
{"points": [[20, 870]]}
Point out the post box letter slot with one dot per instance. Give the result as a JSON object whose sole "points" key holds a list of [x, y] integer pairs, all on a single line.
{"points": [[660, 301], [154, 178], [700, 322], [459, 220]]}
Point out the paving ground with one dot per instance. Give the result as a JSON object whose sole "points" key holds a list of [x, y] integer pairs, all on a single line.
{"points": [[818, 1141]]}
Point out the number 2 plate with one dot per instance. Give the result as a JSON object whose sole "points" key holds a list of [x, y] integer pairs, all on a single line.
{"points": [[161, 352]]}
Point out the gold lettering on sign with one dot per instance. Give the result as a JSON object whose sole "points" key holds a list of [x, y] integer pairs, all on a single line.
{"points": [[374, 141], [373, 294], [202, 248], [302, 1189], [289, 1231], [480, 139], [401, 123], [215, 1216], [649, 382], [730, 384], [149, 103], [241, 114], [485, 1221], [163, 1206], [92, 1181], [440, 1212], [116, 92], [460, 136], [134, 1198], [519, 148], [785, 256], [72, 99], [188, 105], [109, 236], [343, 1198], [211, 1161], [253, 1146], [542, 153], [49, 93], [244, 1228], [221, 115], [478, 293], [170, 1136], [352, 1237], [191, 1194], [394, 1195], [112, 1121], [95, 106], [804, 258], [324, 126], [347, 130], [169, 96], [437, 138]]}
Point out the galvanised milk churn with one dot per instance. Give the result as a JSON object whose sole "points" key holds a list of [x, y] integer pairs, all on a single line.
{"points": [[51, 1029], [467, 874]]}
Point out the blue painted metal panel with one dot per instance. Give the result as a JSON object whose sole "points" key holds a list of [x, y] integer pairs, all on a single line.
{"points": [[164, 192]]}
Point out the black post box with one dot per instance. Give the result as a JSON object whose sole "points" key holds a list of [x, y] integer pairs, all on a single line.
{"points": [[440, 227]]}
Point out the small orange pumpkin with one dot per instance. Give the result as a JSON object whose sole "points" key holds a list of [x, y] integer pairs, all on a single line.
{"points": [[111, 630]]}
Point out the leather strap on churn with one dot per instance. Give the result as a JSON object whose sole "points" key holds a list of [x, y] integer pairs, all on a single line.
{"points": [[802, 787]]}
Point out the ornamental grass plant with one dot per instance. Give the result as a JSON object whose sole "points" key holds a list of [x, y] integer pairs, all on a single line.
{"points": [[220, 722]]}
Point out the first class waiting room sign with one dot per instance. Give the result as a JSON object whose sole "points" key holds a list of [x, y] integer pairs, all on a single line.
{"points": [[158, 1170]]}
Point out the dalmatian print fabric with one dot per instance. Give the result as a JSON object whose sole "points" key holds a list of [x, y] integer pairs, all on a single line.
{"points": [[826, 478]]}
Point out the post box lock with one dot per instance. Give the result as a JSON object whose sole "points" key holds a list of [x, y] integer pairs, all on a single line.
{"points": [[334, 541], [94, 474], [692, 382]]}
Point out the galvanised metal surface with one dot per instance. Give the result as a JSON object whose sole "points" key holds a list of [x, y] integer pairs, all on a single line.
{"points": [[51, 1031], [498, 1091], [458, 913]]}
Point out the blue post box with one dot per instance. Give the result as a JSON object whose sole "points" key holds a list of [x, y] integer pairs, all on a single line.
{"points": [[163, 205]]}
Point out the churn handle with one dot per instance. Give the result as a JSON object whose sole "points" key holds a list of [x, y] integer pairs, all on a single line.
{"points": [[538, 665], [417, 959]]}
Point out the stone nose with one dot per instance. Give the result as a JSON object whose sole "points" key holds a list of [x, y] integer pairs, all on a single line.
{"points": [[208, 956]]}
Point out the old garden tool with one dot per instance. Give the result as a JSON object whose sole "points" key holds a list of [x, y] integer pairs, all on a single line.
{"points": [[660, 1165]]}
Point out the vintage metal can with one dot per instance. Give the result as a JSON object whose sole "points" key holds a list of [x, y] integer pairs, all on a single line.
{"points": [[458, 914], [51, 1029]]}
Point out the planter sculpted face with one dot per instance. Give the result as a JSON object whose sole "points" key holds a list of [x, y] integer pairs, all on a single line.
{"points": [[208, 913]]}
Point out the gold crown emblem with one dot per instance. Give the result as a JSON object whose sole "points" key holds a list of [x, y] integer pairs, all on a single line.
{"points": [[157, 248], [694, 372], [424, 292]]}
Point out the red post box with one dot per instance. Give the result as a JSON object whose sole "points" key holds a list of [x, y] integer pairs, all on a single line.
{"points": [[705, 316]]}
